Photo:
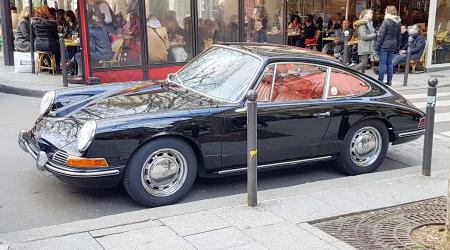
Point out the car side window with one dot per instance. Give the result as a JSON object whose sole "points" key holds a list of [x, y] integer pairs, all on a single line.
{"points": [[297, 82], [344, 84], [265, 85]]}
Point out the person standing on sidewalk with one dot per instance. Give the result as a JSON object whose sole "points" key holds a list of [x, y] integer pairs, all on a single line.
{"points": [[388, 43], [366, 37]]}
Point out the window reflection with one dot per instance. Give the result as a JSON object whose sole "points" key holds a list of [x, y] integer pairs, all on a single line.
{"points": [[264, 20], [441, 50], [114, 37], [169, 31], [217, 22]]}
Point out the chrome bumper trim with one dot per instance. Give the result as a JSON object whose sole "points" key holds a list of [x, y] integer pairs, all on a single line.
{"points": [[412, 133], [23, 144]]}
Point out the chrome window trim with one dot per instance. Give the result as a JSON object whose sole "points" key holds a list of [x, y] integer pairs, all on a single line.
{"points": [[253, 79], [273, 82], [326, 86]]}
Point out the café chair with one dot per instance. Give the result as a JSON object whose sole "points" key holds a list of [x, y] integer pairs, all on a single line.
{"points": [[44, 56]]}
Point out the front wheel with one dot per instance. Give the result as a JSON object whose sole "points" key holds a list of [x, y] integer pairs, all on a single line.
{"points": [[365, 147], [161, 172]]}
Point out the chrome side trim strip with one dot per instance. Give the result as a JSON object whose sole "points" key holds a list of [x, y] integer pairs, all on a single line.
{"points": [[411, 133], [322, 158]]}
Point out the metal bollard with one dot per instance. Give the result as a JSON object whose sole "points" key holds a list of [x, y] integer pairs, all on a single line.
{"points": [[346, 34], [429, 127], [252, 173], [62, 50], [408, 57]]}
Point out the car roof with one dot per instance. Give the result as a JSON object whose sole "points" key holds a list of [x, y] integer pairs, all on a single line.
{"points": [[278, 51]]}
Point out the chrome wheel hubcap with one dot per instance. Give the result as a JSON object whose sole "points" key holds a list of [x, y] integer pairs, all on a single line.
{"points": [[164, 172], [365, 146]]}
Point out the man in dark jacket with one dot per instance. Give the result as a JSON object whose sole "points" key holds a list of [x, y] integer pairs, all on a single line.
{"points": [[417, 48], [404, 43], [99, 44], [388, 43]]}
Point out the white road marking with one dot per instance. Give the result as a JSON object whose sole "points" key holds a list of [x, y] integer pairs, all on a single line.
{"points": [[421, 96], [442, 117], [446, 133], [442, 103]]}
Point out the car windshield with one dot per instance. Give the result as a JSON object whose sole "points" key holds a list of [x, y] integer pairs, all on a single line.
{"points": [[221, 73]]}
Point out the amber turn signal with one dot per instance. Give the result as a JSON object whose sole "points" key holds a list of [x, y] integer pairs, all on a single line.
{"points": [[80, 162]]}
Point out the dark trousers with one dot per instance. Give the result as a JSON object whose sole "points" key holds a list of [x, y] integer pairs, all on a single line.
{"points": [[385, 65]]}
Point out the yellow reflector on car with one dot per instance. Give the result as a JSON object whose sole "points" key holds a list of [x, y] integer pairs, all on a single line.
{"points": [[80, 162]]}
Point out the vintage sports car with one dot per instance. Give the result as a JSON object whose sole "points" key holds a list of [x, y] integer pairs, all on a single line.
{"points": [[157, 137]]}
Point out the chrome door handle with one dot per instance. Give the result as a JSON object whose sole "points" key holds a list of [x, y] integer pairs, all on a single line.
{"points": [[322, 115]]}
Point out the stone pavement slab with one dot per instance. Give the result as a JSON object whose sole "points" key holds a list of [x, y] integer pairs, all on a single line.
{"points": [[244, 217], [251, 246], [194, 223], [155, 238], [287, 236], [83, 241], [125, 228], [219, 239], [300, 208]]}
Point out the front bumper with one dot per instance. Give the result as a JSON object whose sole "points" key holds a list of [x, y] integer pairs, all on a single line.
{"points": [[43, 163]]}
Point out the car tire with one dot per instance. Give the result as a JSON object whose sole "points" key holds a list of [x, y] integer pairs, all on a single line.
{"points": [[161, 172], [364, 149]]}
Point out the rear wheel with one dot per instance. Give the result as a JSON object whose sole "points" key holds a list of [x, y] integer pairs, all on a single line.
{"points": [[161, 172], [365, 147]]}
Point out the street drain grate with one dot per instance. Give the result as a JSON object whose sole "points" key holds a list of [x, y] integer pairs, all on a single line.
{"points": [[387, 228]]}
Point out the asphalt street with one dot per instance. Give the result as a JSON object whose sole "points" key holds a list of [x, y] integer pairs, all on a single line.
{"points": [[29, 199]]}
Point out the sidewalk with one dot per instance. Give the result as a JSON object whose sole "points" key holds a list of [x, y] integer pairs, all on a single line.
{"points": [[28, 84], [279, 222]]}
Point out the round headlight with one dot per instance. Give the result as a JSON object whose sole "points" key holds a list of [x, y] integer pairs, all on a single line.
{"points": [[86, 135], [47, 102]]}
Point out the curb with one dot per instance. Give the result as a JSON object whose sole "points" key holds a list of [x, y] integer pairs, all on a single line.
{"points": [[7, 89]]}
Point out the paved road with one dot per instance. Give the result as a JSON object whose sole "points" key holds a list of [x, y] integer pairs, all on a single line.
{"points": [[29, 199]]}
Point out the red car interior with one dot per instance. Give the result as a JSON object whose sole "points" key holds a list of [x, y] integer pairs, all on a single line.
{"points": [[294, 87]]}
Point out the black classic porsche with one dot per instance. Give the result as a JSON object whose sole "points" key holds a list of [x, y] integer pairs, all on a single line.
{"points": [[157, 137]]}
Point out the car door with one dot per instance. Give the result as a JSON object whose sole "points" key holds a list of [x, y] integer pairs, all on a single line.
{"points": [[293, 117]]}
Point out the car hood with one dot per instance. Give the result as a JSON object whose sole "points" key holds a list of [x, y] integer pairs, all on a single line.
{"points": [[61, 127], [133, 99]]}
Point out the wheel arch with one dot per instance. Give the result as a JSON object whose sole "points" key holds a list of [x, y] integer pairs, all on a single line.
{"points": [[189, 141], [385, 121]]}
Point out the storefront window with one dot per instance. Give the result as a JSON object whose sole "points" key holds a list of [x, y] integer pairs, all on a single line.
{"points": [[264, 21], [169, 31], [441, 51], [114, 37], [218, 21]]}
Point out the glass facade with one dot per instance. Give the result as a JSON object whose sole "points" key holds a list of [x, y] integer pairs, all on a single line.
{"points": [[264, 21], [218, 21], [441, 39], [169, 31], [114, 37]]}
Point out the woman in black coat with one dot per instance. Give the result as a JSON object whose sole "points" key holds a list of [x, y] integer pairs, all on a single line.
{"points": [[45, 33], [388, 43], [22, 38]]}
